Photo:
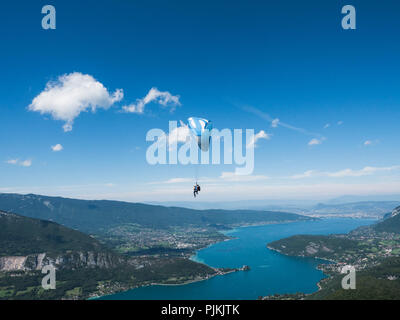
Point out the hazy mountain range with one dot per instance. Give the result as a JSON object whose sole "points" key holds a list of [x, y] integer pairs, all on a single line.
{"points": [[347, 206], [99, 215]]}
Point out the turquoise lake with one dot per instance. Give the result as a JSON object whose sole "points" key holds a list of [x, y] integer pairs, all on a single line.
{"points": [[270, 271]]}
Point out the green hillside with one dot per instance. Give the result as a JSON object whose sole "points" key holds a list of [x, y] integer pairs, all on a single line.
{"points": [[315, 246], [84, 266], [390, 224], [380, 282], [21, 236]]}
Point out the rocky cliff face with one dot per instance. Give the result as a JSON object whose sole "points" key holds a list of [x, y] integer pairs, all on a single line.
{"points": [[12, 263], [395, 212], [65, 261], [28, 244]]}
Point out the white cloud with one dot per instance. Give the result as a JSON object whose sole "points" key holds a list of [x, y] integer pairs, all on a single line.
{"points": [[306, 174], [178, 180], [154, 95], [12, 161], [72, 94], [366, 171], [371, 142], [327, 126], [315, 141], [223, 178], [110, 185], [261, 135], [339, 123], [175, 181], [233, 177], [57, 147], [275, 123], [26, 163], [178, 135], [22, 163], [363, 172]]}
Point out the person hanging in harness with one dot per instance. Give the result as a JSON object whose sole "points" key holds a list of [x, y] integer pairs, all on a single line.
{"points": [[196, 190]]}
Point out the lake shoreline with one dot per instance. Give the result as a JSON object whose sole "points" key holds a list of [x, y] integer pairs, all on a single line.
{"points": [[327, 276], [227, 232], [191, 257]]}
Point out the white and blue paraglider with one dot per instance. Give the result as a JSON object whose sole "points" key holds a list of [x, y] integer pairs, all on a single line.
{"points": [[201, 131]]}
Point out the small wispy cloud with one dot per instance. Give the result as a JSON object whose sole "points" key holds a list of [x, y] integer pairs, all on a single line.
{"points": [[327, 126], [225, 177], [233, 177], [367, 143], [56, 148], [340, 122], [110, 185], [315, 141], [163, 98], [260, 135], [22, 163], [366, 171], [26, 163], [370, 142], [275, 123], [306, 174], [178, 180]]}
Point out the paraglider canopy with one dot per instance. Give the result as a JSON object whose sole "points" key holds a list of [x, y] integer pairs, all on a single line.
{"points": [[201, 130]]}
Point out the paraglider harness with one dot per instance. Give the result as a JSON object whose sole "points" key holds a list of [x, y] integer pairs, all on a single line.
{"points": [[196, 190]]}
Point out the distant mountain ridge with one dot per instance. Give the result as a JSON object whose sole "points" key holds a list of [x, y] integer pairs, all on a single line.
{"points": [[362, 208], [373, 209], [99, 215], [368, 198]]}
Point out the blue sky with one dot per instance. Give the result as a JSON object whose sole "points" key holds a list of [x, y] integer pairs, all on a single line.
{"points": [[238, 63]]}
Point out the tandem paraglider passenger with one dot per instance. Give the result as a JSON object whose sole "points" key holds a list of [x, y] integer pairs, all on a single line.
{"points": [[196, 190]]}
